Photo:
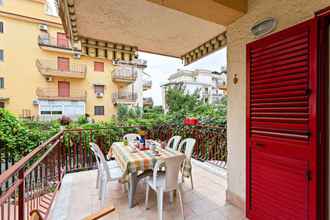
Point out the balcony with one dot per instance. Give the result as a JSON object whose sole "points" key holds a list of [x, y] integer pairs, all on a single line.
{"points": [[56, 164], [56, 45], [136, 62], [148, 102], [53, 94], [124, 97], [124, 75], [49, 68], [147, 84]]}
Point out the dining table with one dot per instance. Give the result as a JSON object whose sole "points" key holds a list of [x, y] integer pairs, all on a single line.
{"points": [[137, 163]]}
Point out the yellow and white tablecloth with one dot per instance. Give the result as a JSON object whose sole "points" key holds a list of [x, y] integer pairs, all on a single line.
{"points": [[132, 160]]}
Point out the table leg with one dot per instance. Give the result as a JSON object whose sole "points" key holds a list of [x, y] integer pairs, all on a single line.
{"points": [[132, 188]]}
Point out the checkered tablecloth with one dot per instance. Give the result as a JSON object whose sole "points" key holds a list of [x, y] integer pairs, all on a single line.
{"points": [[133, 161]]}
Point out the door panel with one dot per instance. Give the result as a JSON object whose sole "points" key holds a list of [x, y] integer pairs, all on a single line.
{"points": [[63, 89], [281, 125], [62, 41], [63, 64]]}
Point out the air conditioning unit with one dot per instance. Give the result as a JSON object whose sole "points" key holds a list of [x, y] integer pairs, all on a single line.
{"points": [[49, 79], [99, 94], [35, 102], [76, 55], [43, 27]]}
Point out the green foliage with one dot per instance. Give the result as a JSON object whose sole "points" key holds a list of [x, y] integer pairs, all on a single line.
{"points": [[20, 137], [82, 120]]}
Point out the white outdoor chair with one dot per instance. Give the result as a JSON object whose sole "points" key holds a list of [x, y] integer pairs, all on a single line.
{"points": [[189, 144], [105, 173], [174, 142], [131, 137], [165, 181]]}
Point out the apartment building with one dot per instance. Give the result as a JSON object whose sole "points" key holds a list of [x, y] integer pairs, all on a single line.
{"points": [[210, 85], [43, 75]]}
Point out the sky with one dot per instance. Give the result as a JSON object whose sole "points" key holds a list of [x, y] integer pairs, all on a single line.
{"points": [[161, 67]]}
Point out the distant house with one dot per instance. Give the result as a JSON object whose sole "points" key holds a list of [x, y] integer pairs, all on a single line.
{"points": [[210, 85]]}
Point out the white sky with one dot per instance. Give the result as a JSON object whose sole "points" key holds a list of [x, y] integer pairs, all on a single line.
{"points": [[161, 67]]}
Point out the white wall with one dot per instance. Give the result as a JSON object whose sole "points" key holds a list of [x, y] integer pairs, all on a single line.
{"points": [[287, 13]]}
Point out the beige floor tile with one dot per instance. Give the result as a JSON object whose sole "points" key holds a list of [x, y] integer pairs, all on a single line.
{"points": [[206, 201]]}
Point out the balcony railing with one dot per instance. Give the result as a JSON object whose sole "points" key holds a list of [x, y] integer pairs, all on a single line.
{"points": [[124, 74], [31, 183], [55, 42], [135, 62], [147, 84], [53, 94], [148, 102], [52, 68], [124, 97]]}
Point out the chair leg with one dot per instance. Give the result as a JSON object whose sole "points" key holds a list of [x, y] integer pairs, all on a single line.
{"points": [[160, 195], [147, 196], [180, 199], [191, 181], [98, 179]]}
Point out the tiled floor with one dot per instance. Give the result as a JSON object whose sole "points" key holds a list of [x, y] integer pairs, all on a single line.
{"points": [[78, 198]]}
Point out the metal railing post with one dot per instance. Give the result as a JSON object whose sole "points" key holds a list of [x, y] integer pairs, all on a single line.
{"points": [[21, 192]]}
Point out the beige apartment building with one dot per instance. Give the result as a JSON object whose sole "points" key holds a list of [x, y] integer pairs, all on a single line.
{"points": [[43, 75]]}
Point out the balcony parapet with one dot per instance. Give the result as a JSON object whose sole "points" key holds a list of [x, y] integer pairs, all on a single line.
{"points": [[124, 97], [53, 94], [55, 44], [52, 68], [124, 74], [147, 84]]}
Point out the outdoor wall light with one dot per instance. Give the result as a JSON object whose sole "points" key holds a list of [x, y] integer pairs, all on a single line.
{"points": [[264, 26], [235, 79]]}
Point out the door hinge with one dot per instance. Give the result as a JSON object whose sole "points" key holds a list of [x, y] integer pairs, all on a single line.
{"points": [[308, 175]]}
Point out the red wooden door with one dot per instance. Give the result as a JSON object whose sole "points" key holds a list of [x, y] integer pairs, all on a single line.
{"points": [[63, 64], [63, 89], [281, 125], [62, 41]]}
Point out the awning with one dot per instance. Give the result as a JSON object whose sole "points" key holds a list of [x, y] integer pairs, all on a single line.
{"points": [[177, 28]]}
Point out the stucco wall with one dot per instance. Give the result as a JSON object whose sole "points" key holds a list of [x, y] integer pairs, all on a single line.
{"points": [[287, 14]]}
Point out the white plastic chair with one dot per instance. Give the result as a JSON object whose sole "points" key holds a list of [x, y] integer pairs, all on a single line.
{"points": [[131, 137], [174, 141], [189, 144], [165, 182], [104, 172]]}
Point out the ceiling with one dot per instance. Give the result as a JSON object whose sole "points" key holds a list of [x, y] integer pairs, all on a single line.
{"points": [[149, 26]]}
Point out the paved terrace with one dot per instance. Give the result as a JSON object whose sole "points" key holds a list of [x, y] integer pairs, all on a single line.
{"points": [[78, 198]]}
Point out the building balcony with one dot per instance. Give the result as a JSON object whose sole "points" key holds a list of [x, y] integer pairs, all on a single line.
{"points": [[124, 97], [148, 102], [55, 44], [136, 62], [49, 68], [147, 84], [54, 94], [124, 75]]}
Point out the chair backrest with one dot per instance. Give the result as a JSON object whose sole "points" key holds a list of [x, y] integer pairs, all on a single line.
{"points": [[102, 163], [189, 144], [174, 141], [172, 165], [131, 137]]}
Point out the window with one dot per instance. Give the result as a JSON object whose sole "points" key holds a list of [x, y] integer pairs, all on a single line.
{"points": [[99, 89], [99, 66], [2, 83], [99, 110], [1, 55], [62, 41], [2, 105], [1, 26]]}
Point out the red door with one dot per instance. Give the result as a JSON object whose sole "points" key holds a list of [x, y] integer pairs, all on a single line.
{"points": [[62, 41], [63, 89], [282, 125], [63, 64]]}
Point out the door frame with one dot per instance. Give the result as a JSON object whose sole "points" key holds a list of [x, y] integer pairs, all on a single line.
{"points": [[323, 25], [320, 65]]}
